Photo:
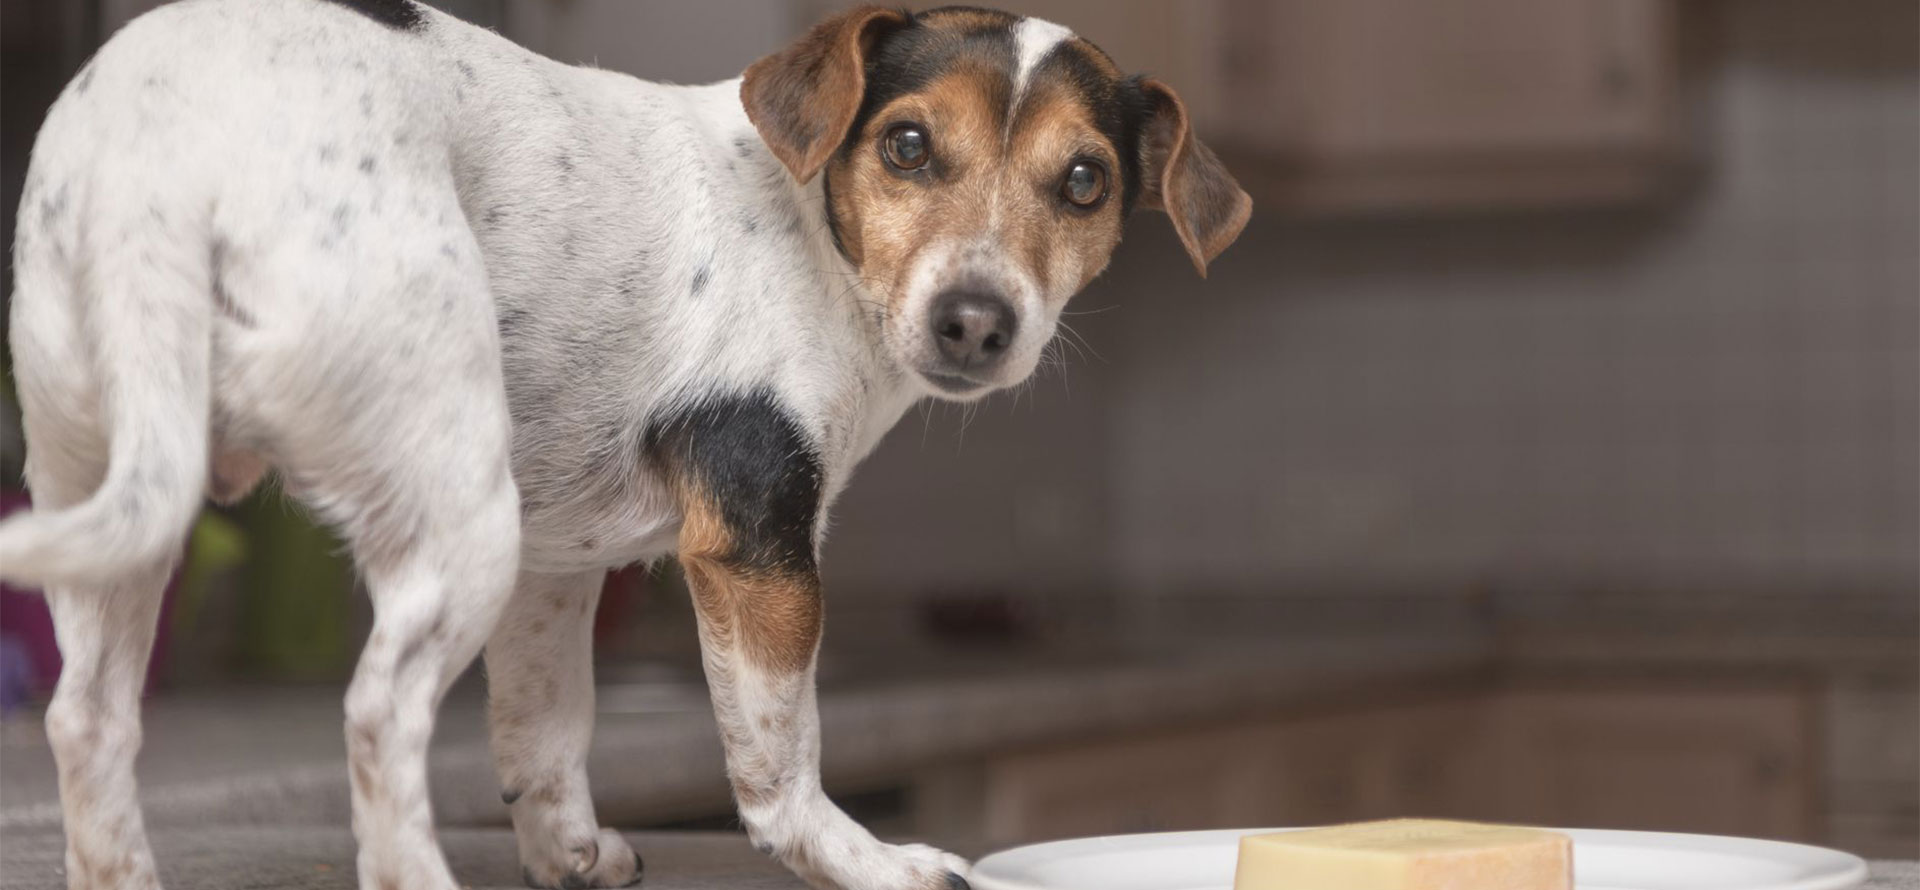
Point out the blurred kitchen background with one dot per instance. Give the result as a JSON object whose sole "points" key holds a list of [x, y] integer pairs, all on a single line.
{"points": [[1544, 451]]}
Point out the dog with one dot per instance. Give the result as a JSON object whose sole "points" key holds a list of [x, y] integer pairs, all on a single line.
{"points": [[506, 324]]}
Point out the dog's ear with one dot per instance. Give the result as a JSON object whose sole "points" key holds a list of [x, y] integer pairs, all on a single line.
{"points": [[1184, 178], [803, 98]]}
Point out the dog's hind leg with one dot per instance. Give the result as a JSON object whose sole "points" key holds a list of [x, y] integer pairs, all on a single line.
{"points": [[436, 597], [393, 426], [105, 634], [540, 705], [111, 356]]}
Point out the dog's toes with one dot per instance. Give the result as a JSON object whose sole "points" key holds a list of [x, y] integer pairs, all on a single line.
{"points": [[619, 865], [942, 870], [605, 861]]}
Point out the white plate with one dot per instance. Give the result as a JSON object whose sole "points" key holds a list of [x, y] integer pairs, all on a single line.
{"points": [[1602, 860]]}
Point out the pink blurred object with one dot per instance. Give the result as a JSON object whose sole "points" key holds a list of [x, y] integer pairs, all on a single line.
{"points": [[26, 628]]}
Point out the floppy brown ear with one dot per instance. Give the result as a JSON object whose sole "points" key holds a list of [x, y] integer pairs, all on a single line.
{"points": [[803, 98], [1184, 178]]}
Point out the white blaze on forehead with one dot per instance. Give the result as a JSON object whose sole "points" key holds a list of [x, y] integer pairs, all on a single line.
{"points": [[1032, 40]]}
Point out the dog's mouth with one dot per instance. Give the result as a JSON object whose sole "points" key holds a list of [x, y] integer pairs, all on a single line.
{"points": [[954, 384]]}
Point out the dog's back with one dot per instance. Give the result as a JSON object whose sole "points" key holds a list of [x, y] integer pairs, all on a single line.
{"points": [[200, 143], [231, 254]]}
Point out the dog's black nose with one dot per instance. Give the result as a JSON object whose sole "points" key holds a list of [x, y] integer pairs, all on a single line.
{"points": [[973, 330]]}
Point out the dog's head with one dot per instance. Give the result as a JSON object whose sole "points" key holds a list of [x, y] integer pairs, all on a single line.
{"points": [[979, 168]]}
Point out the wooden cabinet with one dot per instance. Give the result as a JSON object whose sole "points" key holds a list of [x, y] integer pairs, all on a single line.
{"points": [[1738, 761], [1723, 762]]}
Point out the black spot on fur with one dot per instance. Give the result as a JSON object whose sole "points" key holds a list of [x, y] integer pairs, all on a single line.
{"points": [[701, 276], [565, 163], [747, 453], [466, 72], [743, 145], [509, 322], [84, 81], [400, 15], [367, 163], [53, 206]]}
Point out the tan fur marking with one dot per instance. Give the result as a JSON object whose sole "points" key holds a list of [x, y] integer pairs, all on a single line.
{"points": [[773, 618], [967, 19], [987, 180]]}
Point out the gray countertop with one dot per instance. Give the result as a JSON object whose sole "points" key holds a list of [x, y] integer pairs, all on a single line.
{"points": [[276, 756], [247, 788], [484, 859]]}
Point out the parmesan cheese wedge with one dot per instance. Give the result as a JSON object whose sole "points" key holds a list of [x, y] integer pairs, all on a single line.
{"points": [[1407, 854]]}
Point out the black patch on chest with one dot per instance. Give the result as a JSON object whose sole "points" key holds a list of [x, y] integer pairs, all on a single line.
{"points": [[747, 454], [400, 15]]}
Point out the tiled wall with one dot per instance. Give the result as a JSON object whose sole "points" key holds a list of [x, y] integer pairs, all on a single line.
{"points": [[1720, 392]]}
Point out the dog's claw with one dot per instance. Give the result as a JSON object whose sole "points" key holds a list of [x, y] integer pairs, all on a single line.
{"points": [[639, 870]]}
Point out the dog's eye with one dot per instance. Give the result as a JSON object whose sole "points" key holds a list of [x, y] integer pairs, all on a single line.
{"points": [[906, 147], [1085, 185]]}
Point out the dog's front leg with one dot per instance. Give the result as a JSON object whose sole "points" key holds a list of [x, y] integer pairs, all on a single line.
{"points": [[758, 634], [749, 487]]}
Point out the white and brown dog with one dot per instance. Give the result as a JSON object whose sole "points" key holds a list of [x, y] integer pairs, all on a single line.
{"points": [[506, 323]]}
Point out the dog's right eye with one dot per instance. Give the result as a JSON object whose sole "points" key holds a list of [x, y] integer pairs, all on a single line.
{"points": [[906, 147]]}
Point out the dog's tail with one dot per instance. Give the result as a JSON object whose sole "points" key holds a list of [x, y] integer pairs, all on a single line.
{"points": [[148, 307]]}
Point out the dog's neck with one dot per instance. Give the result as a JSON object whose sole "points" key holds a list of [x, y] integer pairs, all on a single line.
{"points": [[647, 250]]}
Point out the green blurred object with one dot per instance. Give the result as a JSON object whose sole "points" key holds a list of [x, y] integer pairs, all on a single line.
{"points": [[215, 547], [296, 608]]}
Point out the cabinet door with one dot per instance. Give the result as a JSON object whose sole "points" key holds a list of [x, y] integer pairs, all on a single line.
{"points": [[1710, 761], [1396, 761], [1179, 781], [1362, 79]]}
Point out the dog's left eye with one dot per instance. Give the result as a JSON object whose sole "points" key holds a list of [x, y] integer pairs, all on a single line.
{"points": [[906, 147], [1085, 184]]}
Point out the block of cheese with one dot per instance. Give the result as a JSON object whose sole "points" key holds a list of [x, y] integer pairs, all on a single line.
{"points": [[1407, 854]]}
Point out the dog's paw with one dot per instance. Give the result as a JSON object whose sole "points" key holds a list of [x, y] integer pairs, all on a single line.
{"points": [[940, 869], [905, 867], [606, 860]]}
